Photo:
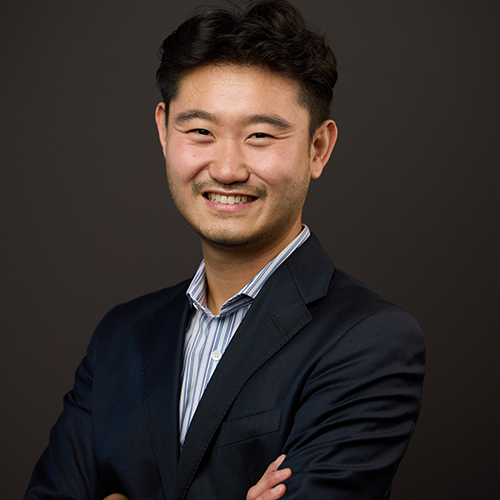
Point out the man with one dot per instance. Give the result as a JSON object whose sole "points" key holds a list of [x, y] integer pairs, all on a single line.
{"points": [[191, 392]]}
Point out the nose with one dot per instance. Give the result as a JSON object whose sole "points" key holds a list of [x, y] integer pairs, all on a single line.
{"points": [[228, 165]]}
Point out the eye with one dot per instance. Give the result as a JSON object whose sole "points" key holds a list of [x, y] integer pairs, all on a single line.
{"points": [[260, 135], [200, 131], [260, 139], [200, 135]]}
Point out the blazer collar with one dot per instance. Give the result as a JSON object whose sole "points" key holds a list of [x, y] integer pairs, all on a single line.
{"points": [[277, 314]]}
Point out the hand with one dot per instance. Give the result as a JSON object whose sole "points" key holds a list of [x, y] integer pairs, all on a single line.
{"points": [[269, 487]]}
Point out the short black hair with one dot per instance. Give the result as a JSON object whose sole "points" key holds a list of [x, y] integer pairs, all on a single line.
{"points": [[270, 34]]}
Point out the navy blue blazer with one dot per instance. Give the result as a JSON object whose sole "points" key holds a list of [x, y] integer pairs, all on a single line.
{"points": [[321, 368]]}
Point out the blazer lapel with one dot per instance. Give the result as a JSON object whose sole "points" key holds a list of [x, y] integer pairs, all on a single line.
{"points": [[162, 367], [277, 314]]}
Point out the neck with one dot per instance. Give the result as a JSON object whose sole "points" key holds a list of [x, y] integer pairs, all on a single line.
{"points": [[228, 271]]}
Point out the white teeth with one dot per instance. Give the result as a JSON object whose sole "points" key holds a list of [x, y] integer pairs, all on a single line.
{"points": [[229, 200]]}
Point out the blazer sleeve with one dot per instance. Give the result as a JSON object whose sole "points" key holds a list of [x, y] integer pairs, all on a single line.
{"points": [[67, 469], [358, 410]]}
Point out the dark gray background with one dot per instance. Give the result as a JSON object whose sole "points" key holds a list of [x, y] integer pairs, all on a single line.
{"points": [[408, 203]]}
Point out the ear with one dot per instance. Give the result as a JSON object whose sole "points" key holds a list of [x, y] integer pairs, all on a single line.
{"points": [[160, 114], [322, 146]]}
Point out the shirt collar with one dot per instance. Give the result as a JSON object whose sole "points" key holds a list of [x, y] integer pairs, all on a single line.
{"points": [[196, 292]]}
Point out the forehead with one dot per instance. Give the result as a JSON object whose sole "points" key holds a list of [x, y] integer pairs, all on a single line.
{"points": [[232, 90]]}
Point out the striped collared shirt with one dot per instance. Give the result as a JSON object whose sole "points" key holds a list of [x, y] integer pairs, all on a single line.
{"points": [[207, 336]]}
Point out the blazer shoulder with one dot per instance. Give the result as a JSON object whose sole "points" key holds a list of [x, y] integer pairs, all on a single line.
{"points": [[356, 296], [317, 278], [360, 308], [128, 321], [333, 294], [147, 304]]}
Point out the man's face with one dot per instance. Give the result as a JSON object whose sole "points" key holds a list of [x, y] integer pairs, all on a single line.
{"points": [[238, 155]]}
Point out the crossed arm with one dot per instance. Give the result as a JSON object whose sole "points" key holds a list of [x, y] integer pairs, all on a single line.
{"points": [[367, 392], [269, 486]]}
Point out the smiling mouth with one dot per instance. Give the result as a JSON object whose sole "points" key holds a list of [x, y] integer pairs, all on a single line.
{"points": [[238, 199]]}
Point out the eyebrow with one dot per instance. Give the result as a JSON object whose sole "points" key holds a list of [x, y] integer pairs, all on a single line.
{"points": [[194, 114], [275, 120], [199, 114]]}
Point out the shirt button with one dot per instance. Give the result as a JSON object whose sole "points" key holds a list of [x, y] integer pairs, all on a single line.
{"points": [[216, 355]]}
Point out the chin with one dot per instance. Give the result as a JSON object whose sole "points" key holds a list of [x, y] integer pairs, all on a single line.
{"points": [[226, 239], [233, 241]]}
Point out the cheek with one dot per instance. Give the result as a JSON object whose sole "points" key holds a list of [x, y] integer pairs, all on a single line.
{"points": [[283, 167], [182, 162]]}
